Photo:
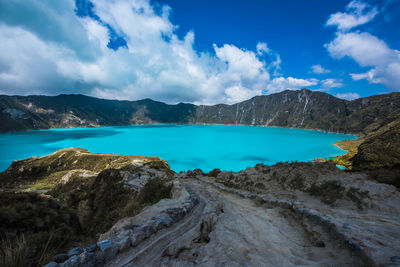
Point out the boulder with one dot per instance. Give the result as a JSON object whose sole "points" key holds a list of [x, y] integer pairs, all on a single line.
{"points": [[89, 259], [123, 242], [157, 224], [108, 249], [148, 229], [71, 262], [91, 247], [175, 213], [166, 220], [75, 251], [137, 236]]}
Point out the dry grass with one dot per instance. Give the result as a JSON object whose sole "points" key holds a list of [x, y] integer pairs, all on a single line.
{"points": [[14, 251], [351, 146]]}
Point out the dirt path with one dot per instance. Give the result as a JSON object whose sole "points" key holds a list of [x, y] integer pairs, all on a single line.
{"points": [[228, 230]]}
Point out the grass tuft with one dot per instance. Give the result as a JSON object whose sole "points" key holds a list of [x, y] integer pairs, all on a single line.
{"points": [[14, 251]]}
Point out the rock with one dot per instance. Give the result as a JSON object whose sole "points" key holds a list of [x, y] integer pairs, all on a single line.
{"points": [[251, 196], [157, 224], [51, 264], [214, 173], [89, 259], [59, 258], [75, 251], [206, 227], [194, 199], [195, 172], [108, 249], [188, 205], [138, 235], [91, 247], [175, 213], [166, 220], [148, 229], [395, 259], [130, 227], [71, 262], [123, 242]]}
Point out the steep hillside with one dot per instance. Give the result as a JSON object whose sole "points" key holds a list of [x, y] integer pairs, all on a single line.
{"points": [[377, 153], [380, 149], [300, 109], [54, 202], [41, 112]]}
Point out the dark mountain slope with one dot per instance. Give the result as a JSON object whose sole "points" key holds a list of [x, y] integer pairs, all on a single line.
{"points": [[380, 149], [300, 109], [41, 112]]}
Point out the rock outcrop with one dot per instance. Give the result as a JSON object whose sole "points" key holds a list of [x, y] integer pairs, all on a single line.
{"points": [[125, 235], [72, 196], [377, 153]]}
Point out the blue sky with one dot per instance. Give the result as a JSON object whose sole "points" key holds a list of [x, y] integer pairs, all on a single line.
{"points": [[199, 51]]}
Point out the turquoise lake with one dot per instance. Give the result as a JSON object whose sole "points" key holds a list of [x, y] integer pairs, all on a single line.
{"points": [[184, 147]]}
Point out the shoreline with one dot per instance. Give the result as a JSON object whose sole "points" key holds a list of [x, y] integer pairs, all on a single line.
{"points": [[357, 135]]}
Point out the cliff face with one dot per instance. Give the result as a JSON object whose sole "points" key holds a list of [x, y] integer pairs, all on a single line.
{"points": [[300, 109]]}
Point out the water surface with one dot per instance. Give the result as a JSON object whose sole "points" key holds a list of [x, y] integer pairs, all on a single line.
{"points": [[184, 147]]}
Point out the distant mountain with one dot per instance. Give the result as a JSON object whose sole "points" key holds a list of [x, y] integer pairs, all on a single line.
{"points": [[299, 109]]}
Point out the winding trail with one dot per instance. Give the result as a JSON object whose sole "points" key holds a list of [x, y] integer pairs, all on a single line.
{"points": [[226, 229]]}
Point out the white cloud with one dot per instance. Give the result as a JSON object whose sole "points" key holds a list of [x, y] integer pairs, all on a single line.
{"points": [[262, 48], [331, 83], [369, 51], [348, 96], [51, 51], [364, 48], [280, 83], [318, 69], [358, 13]]}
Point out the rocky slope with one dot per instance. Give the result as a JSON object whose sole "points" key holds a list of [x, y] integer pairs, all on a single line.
{"points": [[301, 109], [380, 149], [377, 153], [54, 202], [309, 214]]}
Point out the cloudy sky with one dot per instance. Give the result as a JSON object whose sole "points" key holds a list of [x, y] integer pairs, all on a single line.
{"points": [[199, 51]]}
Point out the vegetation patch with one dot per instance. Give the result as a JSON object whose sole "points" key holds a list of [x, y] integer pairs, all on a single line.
{"points": [[52, 203], [351, 146]]}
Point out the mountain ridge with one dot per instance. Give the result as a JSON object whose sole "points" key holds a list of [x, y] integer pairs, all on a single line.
{"points": [[295, 109]]}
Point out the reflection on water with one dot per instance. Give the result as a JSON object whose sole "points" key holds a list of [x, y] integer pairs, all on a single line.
{"points": [[255, 158], [58, 135]]}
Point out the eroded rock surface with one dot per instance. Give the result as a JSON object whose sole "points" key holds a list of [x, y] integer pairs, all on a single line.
{"points": [[298, 214], [307, 214]]}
